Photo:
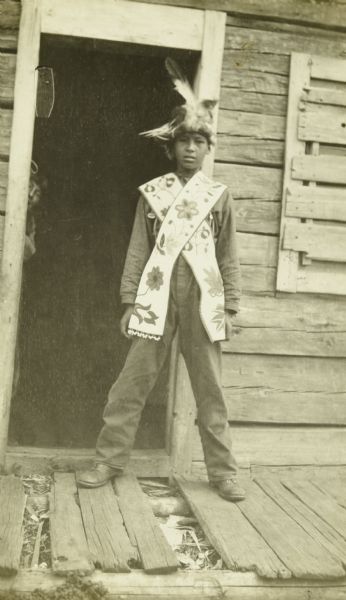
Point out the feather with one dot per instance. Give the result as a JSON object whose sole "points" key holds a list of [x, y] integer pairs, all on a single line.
{"points": [[181, 84], [194, 115], [162, 133]]}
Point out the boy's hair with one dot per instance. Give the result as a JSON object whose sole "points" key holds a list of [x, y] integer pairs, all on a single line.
{"points": [[169, 145]]}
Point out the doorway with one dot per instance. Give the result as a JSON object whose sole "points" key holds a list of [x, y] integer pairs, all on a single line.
{"points": [[89, 151]]}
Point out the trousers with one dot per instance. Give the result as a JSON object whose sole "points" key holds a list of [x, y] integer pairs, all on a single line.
{"points": [[128, 395]]}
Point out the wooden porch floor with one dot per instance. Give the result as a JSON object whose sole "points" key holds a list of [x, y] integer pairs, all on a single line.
{"points": [[289, 529]]}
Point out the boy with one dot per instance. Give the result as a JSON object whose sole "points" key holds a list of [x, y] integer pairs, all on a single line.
{"points": [[181, 271]]}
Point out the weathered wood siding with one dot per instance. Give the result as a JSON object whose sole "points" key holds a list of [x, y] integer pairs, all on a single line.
{"points": [[325, 14], [9, 22], [250, 151], [284, 368]]}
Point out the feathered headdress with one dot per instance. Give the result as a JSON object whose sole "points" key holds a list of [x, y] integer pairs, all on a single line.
{"points": [[195, 115]]}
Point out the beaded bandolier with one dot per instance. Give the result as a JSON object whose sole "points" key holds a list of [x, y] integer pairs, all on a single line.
{"points": [[184, 229]]}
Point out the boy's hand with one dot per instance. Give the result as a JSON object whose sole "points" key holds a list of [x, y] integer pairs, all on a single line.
{"points": [[230, 316], [124, 321]]}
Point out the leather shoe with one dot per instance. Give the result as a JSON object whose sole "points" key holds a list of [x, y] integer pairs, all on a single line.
{"points": [[97, 476], [229, 489]]}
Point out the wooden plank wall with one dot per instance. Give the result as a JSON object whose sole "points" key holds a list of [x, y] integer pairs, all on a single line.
{"points": [[330, 15], [9, 23], [284, 368]]}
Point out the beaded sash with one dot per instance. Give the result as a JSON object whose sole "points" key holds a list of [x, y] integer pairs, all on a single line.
{"points": [[184, 228]]}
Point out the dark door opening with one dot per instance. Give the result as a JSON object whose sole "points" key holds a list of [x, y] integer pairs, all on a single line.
{"points": [[69, 346]]}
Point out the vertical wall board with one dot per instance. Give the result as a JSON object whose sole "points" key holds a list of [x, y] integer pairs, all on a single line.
{"points": [[207, 86], [208, 79], [288, 260], [16, 203]]}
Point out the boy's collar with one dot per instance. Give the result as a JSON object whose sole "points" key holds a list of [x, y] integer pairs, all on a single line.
{"points": [[185, 178]]}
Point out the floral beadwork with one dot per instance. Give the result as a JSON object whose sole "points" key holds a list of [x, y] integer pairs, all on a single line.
{"points": [[214, 280], [219, 317], [171, 244], [155, 278], [187, 209], [148, 315], [183, 224], [160, 244], [205, 232], [170, 181]]}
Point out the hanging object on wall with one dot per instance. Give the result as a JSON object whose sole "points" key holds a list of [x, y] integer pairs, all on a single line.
{"points": [[45, 92]]}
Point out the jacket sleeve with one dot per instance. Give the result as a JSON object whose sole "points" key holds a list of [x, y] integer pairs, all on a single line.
{"points": [[137, 256], [227, 253]]}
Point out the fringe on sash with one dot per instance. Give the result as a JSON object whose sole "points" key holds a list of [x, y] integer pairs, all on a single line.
{"points": [[146, 336]]}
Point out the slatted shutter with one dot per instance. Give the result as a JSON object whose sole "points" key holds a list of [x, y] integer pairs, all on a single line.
{"points": [[312, 255]]}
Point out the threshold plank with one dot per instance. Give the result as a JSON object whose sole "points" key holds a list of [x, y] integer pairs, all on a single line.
{"points": [[156, 554], [12, 505], [184, 585], [70, 552], [320, 502], [319, 530], [237, 542], [295, 547], [106, 535]]}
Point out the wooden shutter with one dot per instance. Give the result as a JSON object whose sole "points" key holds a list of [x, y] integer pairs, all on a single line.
{"points": [[312, 254]]}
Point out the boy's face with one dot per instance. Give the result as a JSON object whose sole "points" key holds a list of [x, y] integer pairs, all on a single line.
{"points": [[189, 150]]}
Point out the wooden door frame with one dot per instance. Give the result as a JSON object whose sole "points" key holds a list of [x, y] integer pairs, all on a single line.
{"points": [[121, 21]]}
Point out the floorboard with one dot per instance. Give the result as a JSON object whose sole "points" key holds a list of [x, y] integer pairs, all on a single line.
{"points": [[70, 552], [290, 530], [106, 535], [156, 554], [320, 502], [333, 486], [237, 542], [295, 547], [317, 528], [12, 504]]}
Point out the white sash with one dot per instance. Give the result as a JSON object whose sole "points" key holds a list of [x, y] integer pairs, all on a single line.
{"points": [[183, 212]]}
